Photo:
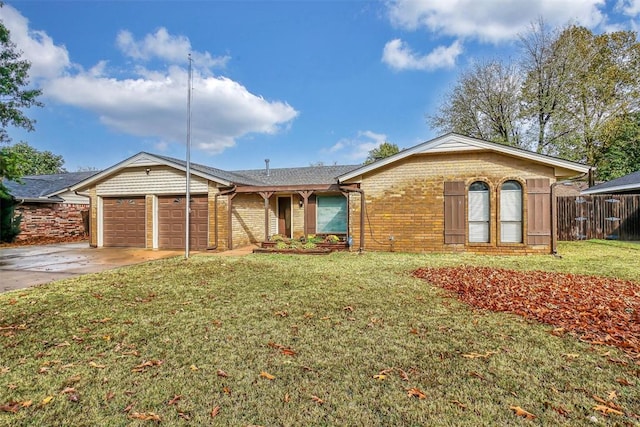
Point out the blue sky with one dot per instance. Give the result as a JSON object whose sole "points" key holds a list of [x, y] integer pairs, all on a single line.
{"points": [[298, 82]]}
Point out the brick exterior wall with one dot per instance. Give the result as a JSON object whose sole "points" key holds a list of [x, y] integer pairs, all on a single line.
{"points": [[51, 220], [247, 219], [406, 201]]}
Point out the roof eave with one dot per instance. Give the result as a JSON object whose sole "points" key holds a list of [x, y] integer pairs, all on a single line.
{"points": [[128, 162], [424, 147], [614, 189]]}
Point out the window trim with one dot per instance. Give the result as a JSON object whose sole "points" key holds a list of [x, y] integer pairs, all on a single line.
{"points": [[346, 211], [522, 213], [489, 191]]}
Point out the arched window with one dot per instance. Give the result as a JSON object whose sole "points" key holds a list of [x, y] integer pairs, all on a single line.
{"points": [[511, 212], [479, 212]]}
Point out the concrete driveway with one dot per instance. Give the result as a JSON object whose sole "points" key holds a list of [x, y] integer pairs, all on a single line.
{"points": [[26, 266]]}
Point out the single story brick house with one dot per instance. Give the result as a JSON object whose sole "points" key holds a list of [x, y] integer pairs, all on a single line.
{"points": [[452, 193], [48, 206]]}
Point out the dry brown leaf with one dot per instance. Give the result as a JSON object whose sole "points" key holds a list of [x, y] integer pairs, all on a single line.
{"points": [[459, 404], [110, 395], [145, 416], [96, 365], [288, 352], [267, 375], [281, 313], [174, 400], [286, 398], [74, 397], [607, 410], [348, 308], [26, 403], [479, 355], [193, 367], [522, 413], [67, 390], [215, 411], [403, 375], [4, 370], [317, 400], [226, 390], [612, 395], [623, 381], [416, 392], [141, 367], [129, 407], [222, 373], [10, 407]]}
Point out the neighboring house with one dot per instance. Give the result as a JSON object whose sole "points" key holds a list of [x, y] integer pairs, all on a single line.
{"points": [[628, 184], [453, 193], [48, 207]]}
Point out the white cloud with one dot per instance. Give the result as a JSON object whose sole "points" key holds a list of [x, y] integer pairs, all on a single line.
{"points": [[47, 59], [222, 110], [491, 20], [356, 149], [152, 103], [629, 7], [165, 46], [399, 56]]}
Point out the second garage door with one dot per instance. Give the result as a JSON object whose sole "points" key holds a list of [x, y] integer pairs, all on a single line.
{"points": [[171, 210], [123, 222]]}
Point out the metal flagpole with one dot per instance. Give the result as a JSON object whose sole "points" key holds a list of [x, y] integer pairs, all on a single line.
{"points": [[188, 171]]}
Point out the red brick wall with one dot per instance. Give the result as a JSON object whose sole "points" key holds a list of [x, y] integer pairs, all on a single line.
{"points": [[51, 220]]}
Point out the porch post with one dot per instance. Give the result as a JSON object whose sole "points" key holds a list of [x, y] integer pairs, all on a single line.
{"points": [[266, 195], [305, 197]]}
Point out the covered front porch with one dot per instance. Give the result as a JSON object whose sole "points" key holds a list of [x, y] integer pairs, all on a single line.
{"points": [[296, 216]]}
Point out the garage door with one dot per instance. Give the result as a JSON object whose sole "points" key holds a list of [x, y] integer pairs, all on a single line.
{"points": [[171, 222], [123, 222]]}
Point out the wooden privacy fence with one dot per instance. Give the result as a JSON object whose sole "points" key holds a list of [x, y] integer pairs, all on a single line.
{"points": [[614, 217]]}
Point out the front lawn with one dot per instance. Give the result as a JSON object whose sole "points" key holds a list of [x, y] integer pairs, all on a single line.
{"points": [[342, 339]]}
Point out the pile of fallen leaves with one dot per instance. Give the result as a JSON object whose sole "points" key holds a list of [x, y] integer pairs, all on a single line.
{"points": [[598, 310]]}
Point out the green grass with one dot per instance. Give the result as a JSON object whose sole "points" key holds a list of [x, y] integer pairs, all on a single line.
{"points": [[347, 316]]}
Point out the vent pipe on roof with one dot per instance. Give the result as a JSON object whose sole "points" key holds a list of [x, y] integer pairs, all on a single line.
{"points": [[266, 162]]}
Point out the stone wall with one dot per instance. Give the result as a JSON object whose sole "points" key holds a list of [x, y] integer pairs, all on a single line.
{"points": [[51, 220]]}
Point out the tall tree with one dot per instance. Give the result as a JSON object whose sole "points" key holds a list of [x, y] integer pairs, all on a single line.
{"points": [[484, 103], [14, 97], [545, 64], [622, 139], [31, 161], [385, 149], [603, 84], [14, 77]]}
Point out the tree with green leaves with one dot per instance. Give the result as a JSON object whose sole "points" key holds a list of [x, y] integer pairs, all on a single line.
{"points": [[14, 98], [31, 161], [622, 139], [385, 149]]}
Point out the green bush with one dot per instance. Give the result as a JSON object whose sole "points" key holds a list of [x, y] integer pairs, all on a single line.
{"points": [[9, 223]]}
